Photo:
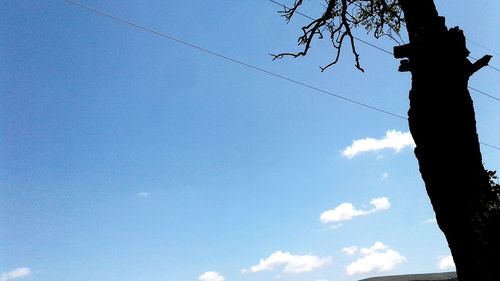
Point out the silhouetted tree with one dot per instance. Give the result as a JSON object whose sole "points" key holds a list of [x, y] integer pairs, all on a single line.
{"points": [[463, 194]]}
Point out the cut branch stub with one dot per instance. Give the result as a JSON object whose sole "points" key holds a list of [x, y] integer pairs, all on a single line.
{"points": [[403, 51]]}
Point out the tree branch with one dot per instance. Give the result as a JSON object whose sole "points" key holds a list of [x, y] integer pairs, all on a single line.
{"points": [[381, 17], [480, 63]]}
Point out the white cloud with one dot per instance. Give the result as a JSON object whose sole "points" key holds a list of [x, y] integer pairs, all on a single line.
{"points": [[342, 212], [143, 194], [384, 176], [380, 204], [346, 211], [350, 251], [393, 140], [211, 276], [378, 246], [378, 258], [20, 272], [446, 263], [292, 263]]}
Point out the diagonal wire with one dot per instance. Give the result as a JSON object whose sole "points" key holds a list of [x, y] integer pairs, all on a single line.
{"points": [[490, 146], [245, 64], [482, 46], [483, 93], [237, 61]]}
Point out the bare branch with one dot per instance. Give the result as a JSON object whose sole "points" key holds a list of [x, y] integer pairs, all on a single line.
{"points": [[381, 17], [349, 34], [288, 13]]}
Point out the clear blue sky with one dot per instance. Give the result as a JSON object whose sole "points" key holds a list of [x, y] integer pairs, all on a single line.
{"points": [[125, 156]]}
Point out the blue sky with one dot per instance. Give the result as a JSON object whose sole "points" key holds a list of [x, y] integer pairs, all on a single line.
{"points": [[126, 156]]}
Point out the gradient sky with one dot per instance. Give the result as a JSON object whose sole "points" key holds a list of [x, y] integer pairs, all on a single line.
{"points": [[126, 156]]}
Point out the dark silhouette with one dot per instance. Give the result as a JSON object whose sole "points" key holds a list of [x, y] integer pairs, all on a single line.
{"points": [[463, 193]]}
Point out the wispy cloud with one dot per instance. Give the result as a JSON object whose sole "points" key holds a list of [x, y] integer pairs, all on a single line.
{"points": [[211, 276], [347, 211], [143, 194], [17, 273], [350, 251], [393, 140], [337, 225], [446, 263], [384, 176], [377, 258], [290, 263]]}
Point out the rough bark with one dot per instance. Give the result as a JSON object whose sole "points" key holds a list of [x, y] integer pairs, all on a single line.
{"points": [[442, 123]]}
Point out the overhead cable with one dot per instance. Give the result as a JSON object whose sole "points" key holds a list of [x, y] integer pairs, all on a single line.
{"points": [[233, 60]]}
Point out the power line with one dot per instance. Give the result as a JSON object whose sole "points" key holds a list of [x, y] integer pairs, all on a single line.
{"points": [[494, 67], [489, 145], [483, 93], [236, 61], [482, 46], [391, 53], [245, 64]]}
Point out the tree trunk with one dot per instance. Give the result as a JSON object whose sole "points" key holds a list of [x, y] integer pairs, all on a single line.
{"points": [[442, 123]]}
